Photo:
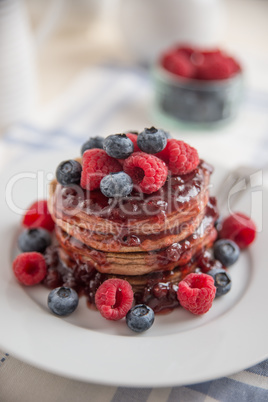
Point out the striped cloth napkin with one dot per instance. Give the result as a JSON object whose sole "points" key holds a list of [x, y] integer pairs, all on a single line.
{"points": [[111, 99]]}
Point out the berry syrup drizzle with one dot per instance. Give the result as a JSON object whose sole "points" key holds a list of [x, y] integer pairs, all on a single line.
{"points": [[158, 292], [178, 193], [158, 289]]}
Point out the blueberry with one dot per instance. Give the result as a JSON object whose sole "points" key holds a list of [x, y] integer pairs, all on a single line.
{"points": [[34, 239], [226, 251], [152, 140], [93, 142], [69, 172], [222, 280], [118, 146], [116, 185], [62, 301], [140, 318]]}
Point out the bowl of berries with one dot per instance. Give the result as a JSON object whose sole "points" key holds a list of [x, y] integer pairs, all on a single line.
{"points": [[202, 88]]}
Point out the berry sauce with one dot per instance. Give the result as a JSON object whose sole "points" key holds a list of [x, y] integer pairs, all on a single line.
{"points": [[157, 289], [140, 222], [178, 193]]}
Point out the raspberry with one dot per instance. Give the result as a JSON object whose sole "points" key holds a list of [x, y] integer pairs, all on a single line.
{"points": [[178, 63], [213, 53], [114, 299], [214, 68], [180, 157], [148, 171], [185, 50], [133, 138], [38, 216], [30, 268], [239, 228], [96, 165], [196, 293], [233, 65]]}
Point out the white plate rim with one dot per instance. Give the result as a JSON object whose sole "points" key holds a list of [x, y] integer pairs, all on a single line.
{"points": [[219, 348]]}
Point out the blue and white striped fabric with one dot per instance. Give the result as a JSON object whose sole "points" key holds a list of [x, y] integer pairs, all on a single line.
{"points": [[105, 100], [20, 382]]}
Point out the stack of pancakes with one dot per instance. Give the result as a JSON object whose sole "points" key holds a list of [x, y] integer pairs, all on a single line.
{"points": [[144, 239]]}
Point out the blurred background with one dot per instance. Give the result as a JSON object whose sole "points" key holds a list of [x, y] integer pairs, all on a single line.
{"points": [[88, 32], [64, 62]]}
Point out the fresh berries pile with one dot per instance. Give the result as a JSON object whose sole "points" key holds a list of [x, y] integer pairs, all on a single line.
{"points": [[193, 63], [143, 159], [114, 166], [196, 293]]}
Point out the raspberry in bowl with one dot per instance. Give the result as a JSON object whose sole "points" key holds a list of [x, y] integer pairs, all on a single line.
{"points": [[197, 87]]}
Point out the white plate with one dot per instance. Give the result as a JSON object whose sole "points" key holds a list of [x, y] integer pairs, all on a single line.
{"points": [[179, 348]]}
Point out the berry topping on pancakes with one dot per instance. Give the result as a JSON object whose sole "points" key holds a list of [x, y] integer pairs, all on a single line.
{"points": [[147, 171], [96, 165], [180, 157]]}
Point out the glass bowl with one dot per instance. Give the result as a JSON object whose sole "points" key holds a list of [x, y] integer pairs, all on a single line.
{"points": [[196, 103]]}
